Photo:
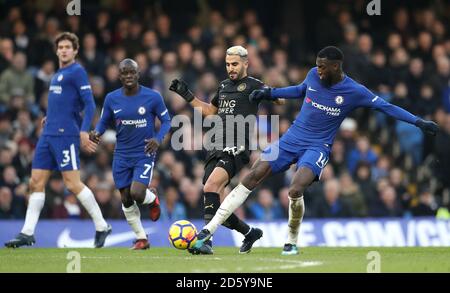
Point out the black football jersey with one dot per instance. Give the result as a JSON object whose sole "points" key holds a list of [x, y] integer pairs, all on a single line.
{"points": [[237, 113]]}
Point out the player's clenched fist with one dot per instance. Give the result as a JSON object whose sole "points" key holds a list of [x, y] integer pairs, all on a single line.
{"points": [[86, 144], [180, 87], [151, 146]]}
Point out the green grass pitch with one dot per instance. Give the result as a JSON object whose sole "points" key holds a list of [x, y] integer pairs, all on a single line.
{"points": [[167, 260]]}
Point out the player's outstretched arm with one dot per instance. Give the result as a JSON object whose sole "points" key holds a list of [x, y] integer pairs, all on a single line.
{"points": [[272, 94], [180, 87], [375, 102]]}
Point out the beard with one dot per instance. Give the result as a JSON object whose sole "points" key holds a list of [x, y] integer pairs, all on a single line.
{"points": [[238, 75], [327, 82]]}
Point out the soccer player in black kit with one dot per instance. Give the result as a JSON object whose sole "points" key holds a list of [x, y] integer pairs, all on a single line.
{"points": [[231, 151]]}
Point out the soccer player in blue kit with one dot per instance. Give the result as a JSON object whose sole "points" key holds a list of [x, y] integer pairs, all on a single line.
{"points": [[58, 147], [133, 109], [329, 96]]}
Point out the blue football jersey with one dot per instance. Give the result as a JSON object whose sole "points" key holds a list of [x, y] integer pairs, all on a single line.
{"points": [[134, 119], [69, 94], [324, 108]]}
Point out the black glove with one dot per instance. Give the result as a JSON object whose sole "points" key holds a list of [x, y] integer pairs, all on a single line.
{"points": [[262, 94], [180, 87], [428, 127]]}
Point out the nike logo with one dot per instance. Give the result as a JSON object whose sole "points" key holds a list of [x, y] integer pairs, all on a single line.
{"points": [[311, 89], [64, 164], [65, 240], [223, 162], [211, 206], [143, 177], [374, 99], [117, 111]]}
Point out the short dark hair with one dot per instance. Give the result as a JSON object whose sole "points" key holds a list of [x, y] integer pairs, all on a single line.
{"points": [[70, 37], [331, 53]]}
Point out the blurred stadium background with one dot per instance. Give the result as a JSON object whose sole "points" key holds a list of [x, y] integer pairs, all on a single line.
{"points": [[379, 168]]}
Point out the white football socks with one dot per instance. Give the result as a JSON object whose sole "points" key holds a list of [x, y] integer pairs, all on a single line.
{"points": [[87, 199], [296, 212], [35, 205], [149, 197], [133, 216], [233, 200]]}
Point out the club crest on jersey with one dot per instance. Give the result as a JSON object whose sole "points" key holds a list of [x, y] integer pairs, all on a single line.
{"points": [[141, 110], [242, 87], [60, 77], [339, 100]]}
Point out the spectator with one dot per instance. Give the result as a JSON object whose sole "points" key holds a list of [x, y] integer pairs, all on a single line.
{"points": [[427, 205], [6, 53], [266, 206], [388, 204], [93, 60], [362, 152], [16, 81], [337, 159], [442, 151], [408, 66], [428, 102], [398, 182], [351, 193], [331, 204], [43, 78], [108, 204], [8, 209], [67, 208], [415, 77], [171, 208], [22, 160], [410, 140], [192, 199], [112, 78]]}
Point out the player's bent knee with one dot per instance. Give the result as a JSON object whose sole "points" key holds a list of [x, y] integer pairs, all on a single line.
{"points": [[295, 192], [127, 201], [258, 172], [74, 186], [250, 181], [138, 195], [211, 186], [36, 185]]}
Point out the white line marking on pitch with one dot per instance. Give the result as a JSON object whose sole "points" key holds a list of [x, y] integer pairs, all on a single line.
{"points": [[289, 264]]}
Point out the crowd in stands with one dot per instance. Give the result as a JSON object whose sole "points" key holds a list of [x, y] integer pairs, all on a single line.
{"points": [[379, 167]]}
